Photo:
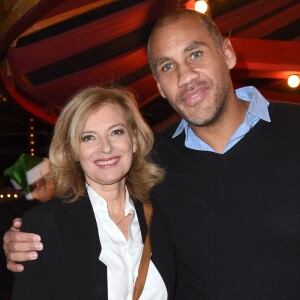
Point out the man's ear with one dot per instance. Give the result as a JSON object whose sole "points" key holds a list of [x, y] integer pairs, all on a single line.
{"points": [[229, 53], [40, 183], [160, 90]]}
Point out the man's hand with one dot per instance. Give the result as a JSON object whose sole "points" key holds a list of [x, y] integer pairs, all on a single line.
{"points": [[20, 246]]}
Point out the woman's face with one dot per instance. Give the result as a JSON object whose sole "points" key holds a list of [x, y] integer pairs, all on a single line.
{"points": [[106, 148]]}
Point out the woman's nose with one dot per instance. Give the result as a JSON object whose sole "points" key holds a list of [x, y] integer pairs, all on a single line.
{"points": [[105, 146]]}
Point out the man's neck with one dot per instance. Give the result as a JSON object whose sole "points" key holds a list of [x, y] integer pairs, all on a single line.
{"points": [[218, 134]]}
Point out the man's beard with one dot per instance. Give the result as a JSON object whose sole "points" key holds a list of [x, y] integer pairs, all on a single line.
{"points": [[213, 114]]}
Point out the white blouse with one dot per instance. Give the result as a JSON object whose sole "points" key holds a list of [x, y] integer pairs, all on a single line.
{"points": [[122, 257]]}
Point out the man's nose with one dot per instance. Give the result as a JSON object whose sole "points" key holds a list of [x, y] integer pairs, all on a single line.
{"points": [[186, 74]]}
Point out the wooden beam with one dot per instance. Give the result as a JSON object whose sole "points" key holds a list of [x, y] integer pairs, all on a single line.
{"points": [[43, 24], [13, 11]]}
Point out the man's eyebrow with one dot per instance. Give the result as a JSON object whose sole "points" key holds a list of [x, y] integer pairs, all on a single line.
{"points": [[161, 61], [190, 47], [194, 45]]}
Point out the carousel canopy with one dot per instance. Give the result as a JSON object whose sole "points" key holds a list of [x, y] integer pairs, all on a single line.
{"points": [[51, 48]]}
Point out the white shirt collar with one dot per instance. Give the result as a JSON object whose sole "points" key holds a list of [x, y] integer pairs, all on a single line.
{"points": [[99, 203]]}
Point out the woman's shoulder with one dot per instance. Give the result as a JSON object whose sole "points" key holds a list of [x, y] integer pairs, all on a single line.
{"points": [[56, 208], [41, 210]]}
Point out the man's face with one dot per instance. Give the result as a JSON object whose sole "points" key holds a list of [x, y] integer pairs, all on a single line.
{"points": [[44, 190], [191, 71]]}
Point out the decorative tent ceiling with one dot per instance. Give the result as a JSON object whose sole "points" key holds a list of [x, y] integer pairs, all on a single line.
{"points": [[51, 48]]}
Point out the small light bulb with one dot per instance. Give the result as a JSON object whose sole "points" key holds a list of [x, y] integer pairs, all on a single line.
{"points": [[201, 6], [293, 81]]}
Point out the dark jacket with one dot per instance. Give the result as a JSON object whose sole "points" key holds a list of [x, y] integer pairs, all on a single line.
{"points": [[8, 212], [69, 266], [232, 220]]}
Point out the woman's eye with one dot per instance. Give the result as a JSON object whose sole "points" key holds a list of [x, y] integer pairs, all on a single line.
{"points": [[117, 132], [196, 54], [86, 138]]}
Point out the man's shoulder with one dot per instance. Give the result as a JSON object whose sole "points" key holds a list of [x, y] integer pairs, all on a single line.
{"points": [[284, 112], [164, 139], [168, 132], [284, 106]]}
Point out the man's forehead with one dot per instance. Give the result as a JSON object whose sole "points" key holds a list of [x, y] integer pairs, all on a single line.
{"points": [[179, 40], [175, 29]]}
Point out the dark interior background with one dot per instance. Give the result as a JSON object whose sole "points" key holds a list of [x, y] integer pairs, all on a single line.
{"points": [[53, 48]]}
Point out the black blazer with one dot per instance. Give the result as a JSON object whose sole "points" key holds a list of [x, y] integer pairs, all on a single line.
{"points": [[9, 211], [69, 267]]}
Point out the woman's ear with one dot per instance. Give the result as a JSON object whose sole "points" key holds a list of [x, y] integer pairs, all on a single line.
{"points": [[134, 144]]}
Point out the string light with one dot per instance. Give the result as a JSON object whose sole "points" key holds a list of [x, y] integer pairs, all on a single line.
{"points": [[7, 196], [31, 136], [3, 98]]}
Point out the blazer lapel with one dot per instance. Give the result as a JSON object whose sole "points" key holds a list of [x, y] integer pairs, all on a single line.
{"points": [[141, 217]]}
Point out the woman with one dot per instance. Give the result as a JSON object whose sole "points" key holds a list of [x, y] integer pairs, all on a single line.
{"points": [[92, 233]]}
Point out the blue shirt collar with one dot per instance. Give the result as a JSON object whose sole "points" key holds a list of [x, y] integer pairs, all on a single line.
{"points": [[258, 108]]}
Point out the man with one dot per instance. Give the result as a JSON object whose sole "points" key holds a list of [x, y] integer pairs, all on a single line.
{"points": [[30, 176], [226, 222]]}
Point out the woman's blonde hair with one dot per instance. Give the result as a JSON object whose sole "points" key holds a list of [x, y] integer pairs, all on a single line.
{"points": [[65, 146]]}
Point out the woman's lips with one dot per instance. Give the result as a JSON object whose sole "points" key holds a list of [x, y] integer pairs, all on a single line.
{"points": [[107, 162]]}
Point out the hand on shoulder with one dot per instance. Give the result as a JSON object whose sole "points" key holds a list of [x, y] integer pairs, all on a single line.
{"points": [[20, 246]]}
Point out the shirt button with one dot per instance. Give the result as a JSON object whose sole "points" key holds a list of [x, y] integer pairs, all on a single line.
{"points": [[125, 250]]}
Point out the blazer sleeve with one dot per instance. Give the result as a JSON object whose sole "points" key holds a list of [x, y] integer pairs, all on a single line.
{"points": [[47, 277], [32, 282]]}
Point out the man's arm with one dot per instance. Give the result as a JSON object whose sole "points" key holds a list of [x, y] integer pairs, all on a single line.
{"points": [[20, 246]]}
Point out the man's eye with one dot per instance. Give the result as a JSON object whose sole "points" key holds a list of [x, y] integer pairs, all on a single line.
{"points": [[86, 138], [196, 54], [167, 67]]}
